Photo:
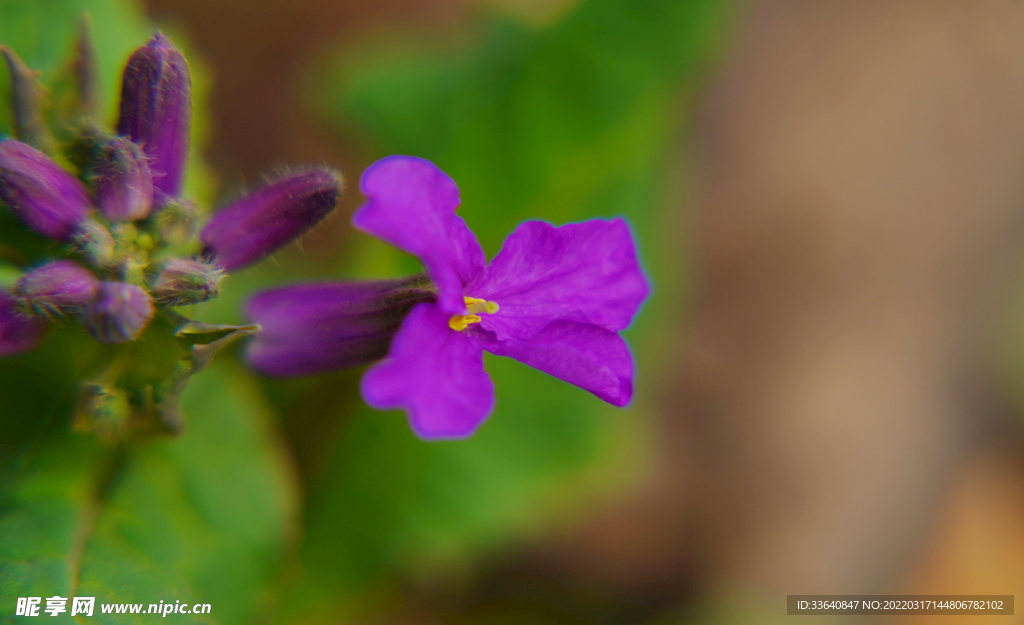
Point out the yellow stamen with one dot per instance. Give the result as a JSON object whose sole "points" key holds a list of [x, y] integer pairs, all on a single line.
{"points": [[474, 306], [461, 322]]}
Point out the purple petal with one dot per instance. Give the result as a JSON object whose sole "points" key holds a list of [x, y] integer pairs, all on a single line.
{"points": [[18, 332], [436, 374], [314, 328], [586, 272], [156, 111], [46, 197], [590, 357], [270, 217], [411, 204]]}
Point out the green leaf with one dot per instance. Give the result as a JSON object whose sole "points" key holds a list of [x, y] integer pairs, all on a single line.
{"points": [[388, 502], [200, 519]]}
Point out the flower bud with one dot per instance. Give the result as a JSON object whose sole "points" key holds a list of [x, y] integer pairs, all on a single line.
{"points": [[46, 197], [183, 281], [313, 328], [96, 243], [270, 217], [156, 111], [18, 332], [119, 313], [177, 222], [123, 181], [58, 289]]}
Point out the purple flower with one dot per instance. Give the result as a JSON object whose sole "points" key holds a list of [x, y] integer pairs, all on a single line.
{"points": [[320, 327], [123, 181], [46, 197], [553, 298], [270, 217], [119, 313], [58, 289], [156, 111], [18, 332]]}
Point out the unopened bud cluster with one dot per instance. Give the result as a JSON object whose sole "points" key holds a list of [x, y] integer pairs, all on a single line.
{"points": [[128, 247], [117, 265]]}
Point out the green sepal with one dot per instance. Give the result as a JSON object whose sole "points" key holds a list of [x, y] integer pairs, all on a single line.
{"points": [[28, 101]]}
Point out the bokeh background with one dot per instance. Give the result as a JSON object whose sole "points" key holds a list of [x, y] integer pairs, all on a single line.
{"points": [[829, 200]]}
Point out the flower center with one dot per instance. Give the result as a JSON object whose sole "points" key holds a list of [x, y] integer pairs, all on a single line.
{"points": [[474, 306]]}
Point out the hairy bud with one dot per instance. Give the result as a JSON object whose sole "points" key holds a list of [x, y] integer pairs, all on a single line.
{"points": [[119, 313], [58, 289], [184, 281], [95, 242], [46, 197], [156, 111], [270, 217], [123, 181]]}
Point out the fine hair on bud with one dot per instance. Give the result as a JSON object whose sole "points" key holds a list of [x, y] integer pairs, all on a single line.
{"points": [[270, 217], [185, 281], [58, 289]]}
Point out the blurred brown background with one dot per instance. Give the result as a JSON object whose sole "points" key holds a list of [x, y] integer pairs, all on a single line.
{"points": [[843, 414]]}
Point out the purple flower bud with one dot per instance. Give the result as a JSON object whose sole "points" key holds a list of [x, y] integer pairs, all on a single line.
{"points": [[119, 313], [123, 181], [58, 289], [18, 332], [156, 111], [270, 217], [46, 197], [313, 328], [95, 242], [183, 281]]}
